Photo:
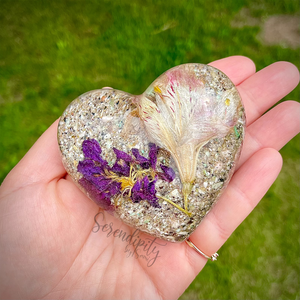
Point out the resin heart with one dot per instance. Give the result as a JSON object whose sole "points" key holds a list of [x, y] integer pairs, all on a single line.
{"points": [[160, 160]]}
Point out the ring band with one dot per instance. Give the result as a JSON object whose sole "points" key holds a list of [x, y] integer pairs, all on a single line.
{"points": [[192, 245]]}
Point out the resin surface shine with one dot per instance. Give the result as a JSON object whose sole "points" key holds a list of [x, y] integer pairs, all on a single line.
{"points": [[160, 160]]}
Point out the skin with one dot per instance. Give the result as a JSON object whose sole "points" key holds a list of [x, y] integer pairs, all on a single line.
{"points": [[48, 249]]}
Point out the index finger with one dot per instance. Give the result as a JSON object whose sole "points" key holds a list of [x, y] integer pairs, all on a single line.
{"points": [[261, 90]]}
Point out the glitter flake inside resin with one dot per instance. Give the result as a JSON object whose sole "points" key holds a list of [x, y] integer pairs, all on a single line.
{"points": [[160, 160]]}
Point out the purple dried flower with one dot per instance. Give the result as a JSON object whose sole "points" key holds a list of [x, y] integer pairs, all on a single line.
{"points": [[122, 164], [145, 182], [87, 167], [122, 155], [168, 173], [143, 161], [95, 180], [122, 169], [96, 176], [91, 149], [137, 186], [102, 199], [113, 188], [153, 155], [103, 182], [145, 190], [151, 187]]}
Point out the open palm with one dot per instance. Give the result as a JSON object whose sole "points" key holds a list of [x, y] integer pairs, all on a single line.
{"points": [[48, 248]]}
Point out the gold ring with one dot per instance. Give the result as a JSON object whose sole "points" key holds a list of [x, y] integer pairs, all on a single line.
{"points": [[192, 245]]}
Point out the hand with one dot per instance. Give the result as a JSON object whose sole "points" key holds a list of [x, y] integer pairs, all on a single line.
{"points": [[48, 248]]}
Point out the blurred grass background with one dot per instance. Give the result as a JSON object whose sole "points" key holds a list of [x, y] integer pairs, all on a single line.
{"points": [[53, 51]]}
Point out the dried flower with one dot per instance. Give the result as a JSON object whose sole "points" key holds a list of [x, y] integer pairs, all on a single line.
{"points": [[181, 114], [91, 149], [168, 173], [129, 176], [99, 187], [143, 161], [145, 190]]}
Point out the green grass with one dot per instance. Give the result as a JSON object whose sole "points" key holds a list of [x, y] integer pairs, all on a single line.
{"points": [[53, 51]]}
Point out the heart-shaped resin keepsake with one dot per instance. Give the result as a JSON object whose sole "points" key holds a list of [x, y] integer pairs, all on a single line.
{"points": [[160, 160]]}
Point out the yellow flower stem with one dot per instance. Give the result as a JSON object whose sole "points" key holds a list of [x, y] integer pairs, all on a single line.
{"points": [[176, 205], [186, 190]]}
